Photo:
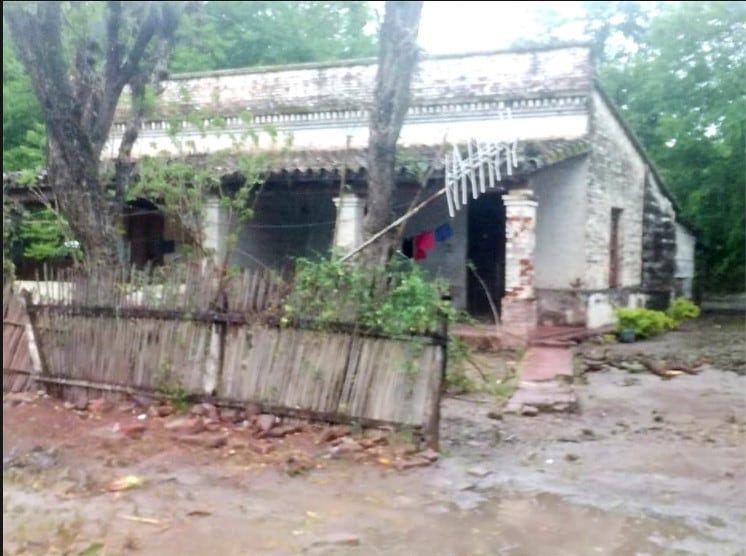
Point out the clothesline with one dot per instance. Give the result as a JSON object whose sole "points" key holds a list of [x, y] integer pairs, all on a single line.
{"points": [[417, 246]]}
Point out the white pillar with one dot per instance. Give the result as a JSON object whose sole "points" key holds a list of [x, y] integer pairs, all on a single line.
{"points": [[348, 231], [214, 228]]}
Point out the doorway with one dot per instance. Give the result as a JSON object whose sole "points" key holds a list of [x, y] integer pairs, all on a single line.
{"points": [[486, 252], [144, 225]]}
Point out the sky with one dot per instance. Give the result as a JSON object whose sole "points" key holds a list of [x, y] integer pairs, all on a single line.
{"points": [[448, 27]]}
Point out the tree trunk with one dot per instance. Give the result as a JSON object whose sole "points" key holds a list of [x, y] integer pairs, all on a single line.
{"points": [[397, 60], [82, 200], [78, 90]]}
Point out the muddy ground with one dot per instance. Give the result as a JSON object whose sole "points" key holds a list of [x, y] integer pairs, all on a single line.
{"points": [[649, 466]]}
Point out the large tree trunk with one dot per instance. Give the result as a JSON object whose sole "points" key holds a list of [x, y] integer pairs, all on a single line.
{"points": [[397, 60], [79, 95], [82, 200]]}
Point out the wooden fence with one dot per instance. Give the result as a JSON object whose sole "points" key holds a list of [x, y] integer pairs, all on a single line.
{"points": [[220, 340], [18, 365]]}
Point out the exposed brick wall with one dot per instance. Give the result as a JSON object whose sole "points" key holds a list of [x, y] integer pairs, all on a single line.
{"points": [[519, 303]]}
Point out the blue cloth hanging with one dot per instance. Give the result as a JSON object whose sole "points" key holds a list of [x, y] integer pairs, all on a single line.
{"points": [[443, 232]]}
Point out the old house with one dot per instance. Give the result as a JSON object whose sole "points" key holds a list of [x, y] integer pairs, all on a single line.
{"points": [[575, 221]]}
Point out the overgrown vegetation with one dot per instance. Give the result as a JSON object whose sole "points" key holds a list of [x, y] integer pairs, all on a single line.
{"points": [[328, 291], [172, 388], [647, 322]]}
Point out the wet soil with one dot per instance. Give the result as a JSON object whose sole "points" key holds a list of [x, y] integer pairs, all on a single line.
{"points": [[649, 466]]}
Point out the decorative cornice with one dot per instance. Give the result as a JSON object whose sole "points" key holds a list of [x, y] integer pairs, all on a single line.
{"points": [[453, 111]]}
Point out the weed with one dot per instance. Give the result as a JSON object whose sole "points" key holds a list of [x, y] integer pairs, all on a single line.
{"points": [[404, 435], [505, 388], [356, 429], [171, 388], [457, 382]]}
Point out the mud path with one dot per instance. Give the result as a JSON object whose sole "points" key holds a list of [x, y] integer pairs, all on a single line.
{"points": [[648, 467]]}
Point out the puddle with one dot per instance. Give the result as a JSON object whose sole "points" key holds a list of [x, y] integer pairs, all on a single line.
{"points": [[367, 514]]}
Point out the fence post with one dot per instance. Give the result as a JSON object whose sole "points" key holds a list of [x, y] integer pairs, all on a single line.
{"points": [[35, 350], [433, 426]]}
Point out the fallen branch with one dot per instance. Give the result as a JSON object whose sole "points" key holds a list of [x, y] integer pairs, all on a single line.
{"points": [[659, 368]]}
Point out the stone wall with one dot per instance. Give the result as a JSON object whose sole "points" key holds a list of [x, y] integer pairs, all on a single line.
{"points": [[616, 180], [588, 308], [659, 246]]}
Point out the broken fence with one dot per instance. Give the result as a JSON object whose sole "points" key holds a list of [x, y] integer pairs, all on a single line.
{"points": [[199, 338]]}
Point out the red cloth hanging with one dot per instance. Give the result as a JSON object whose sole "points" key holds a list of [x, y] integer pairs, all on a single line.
{"points": [[423, 243]]}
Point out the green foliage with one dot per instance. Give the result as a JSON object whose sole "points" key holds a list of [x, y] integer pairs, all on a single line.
{"points": [[645, 322], [676, 71], [456, 377], [504, 389], [221, 35], [23, 129], [682, 309], [458, 382], [9, 269], [180, 186], [683, 94], [171, 388], [329, 291], [44, 233]]}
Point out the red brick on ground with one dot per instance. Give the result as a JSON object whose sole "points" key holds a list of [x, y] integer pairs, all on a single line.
{"points": [[546, 363]]}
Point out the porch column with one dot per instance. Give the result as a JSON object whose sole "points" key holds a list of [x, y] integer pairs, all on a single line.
{"points": [[214, 229], [519, 312], [348, 230], [215, 238]]}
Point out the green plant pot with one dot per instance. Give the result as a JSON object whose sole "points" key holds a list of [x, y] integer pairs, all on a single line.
{"points": [[626, 336]]}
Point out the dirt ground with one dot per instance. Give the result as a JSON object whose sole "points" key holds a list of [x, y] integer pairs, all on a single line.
{"points": [[648, 466]]}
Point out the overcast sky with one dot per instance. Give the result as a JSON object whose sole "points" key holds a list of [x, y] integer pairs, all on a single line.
{"points": [[448, 27]]}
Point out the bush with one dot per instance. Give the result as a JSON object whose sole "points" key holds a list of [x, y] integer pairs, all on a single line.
{"points": [[682, 309], [645, 322], [327, 291]]}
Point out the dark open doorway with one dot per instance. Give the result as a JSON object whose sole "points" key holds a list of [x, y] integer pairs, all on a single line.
{"points": [[486, 251], [144, 224]]}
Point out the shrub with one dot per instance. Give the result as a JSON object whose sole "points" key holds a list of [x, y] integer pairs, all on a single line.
{"points": [[682, 309], [327, 291], [645, 322]]}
